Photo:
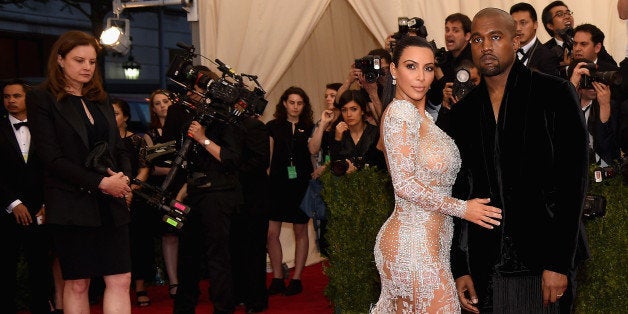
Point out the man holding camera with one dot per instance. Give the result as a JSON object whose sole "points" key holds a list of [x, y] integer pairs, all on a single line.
{"points": [[457, 35], [600, 112]]}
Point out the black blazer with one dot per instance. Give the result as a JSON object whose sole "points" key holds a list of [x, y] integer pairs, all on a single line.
{"points": [[20, 180], [532, 163], [542, 59], [71, 190]]}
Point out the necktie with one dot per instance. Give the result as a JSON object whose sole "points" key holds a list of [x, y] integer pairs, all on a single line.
{"points": [[18, 125]]}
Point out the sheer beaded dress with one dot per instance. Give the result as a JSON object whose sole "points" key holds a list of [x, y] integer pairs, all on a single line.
{"points": [[412, 246]]}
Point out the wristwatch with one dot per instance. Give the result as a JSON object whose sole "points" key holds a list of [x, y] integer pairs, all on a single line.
{"points": [[206, 142]]}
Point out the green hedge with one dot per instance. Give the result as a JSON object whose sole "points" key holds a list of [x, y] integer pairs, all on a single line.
{"points": [[603, 279], [357, 206]]}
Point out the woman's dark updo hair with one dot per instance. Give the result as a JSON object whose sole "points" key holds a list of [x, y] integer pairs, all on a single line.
{"points": [[123, 105]]}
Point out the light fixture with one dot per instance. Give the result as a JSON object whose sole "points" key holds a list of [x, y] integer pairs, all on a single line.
{"points": [[117, 35], [131, 68]]}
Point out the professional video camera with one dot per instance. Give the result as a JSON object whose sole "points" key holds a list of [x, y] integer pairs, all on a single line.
{"points": [[228, 94], [225, 100], [604, 77], [370, 66], [462, 84]]}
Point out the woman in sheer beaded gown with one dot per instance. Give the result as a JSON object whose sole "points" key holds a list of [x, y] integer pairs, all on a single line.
{"points": [[412, 247]]}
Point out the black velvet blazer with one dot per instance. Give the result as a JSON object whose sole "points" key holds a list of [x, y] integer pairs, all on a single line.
{"points": [[533, 164], [71, 190]]}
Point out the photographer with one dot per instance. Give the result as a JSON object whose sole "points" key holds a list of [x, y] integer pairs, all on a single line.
{"points": [[355, 140], [600, 112], [467, 77], [370, 72]]}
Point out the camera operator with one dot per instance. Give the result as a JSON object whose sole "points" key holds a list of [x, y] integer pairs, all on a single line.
{"points": [[370, 77], [600, 112], [213, 192], [355, 140]]}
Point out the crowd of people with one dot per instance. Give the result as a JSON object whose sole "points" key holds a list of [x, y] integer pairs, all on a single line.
{"points": [[472, 167]]}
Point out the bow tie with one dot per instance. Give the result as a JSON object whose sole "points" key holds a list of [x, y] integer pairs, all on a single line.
{"points": [[521, 55], [18, 125]]}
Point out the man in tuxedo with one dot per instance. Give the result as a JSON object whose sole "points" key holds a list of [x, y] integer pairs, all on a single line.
{"points": [[21, 200], [532, 53]]}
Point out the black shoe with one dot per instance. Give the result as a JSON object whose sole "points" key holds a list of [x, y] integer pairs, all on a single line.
{"points": [[173, 287], [294, 287], [277, 286]]}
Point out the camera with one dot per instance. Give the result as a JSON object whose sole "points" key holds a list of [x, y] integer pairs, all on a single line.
{"points": [[228, 94], [462, 84], [339, 167], [407, 25], [370, 67], [594, 206], [604, 77]]}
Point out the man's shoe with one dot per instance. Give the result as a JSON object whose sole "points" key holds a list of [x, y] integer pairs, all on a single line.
{"points": [[277, 286], [294, 287]]}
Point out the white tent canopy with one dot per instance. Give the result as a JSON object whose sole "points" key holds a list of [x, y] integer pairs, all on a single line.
{"points": [[312, 43]]}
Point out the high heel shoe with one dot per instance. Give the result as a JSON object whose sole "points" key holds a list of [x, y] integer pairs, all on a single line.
{"points": [[140, 303], [174, 286]]}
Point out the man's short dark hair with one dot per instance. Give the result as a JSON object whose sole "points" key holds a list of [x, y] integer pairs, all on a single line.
{"points": [[17, 81], [597, 36], [523, 6], [463, 19], [546, 16]]}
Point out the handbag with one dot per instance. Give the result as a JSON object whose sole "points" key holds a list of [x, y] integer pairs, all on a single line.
{"points": [[312, 203], [100, 158]]}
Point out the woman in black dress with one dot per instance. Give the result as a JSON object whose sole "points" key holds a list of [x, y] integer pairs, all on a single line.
{"points": [[142, 248], [290, 171], [70, 115]]}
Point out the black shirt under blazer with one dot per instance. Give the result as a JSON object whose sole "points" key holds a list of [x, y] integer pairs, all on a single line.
{"points": [[61, 138], [533, 164]]}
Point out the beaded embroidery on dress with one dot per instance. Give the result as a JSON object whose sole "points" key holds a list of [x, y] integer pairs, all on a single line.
{"points": [[412, 247]]}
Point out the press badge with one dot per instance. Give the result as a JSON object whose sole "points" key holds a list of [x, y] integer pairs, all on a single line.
{"points": [[292, 172]]}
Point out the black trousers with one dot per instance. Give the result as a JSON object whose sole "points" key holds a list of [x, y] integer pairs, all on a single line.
{"points": [[36, 245], [205, 239], [248, 258]]}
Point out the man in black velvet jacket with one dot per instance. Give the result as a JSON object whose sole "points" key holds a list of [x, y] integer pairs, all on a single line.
{"points": [[523, 143]]}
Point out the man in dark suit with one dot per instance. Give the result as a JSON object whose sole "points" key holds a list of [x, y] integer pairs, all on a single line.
{"points": [[532, 53], [21, 198], [523, 144]]}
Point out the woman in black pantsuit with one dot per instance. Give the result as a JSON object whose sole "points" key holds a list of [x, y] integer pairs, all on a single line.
{"points": [[85, 207]]}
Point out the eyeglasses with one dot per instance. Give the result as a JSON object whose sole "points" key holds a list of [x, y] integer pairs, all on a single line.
{"points": [[562, 14]]}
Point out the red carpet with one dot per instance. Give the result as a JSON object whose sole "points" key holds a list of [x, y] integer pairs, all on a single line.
{"points": [[311, 300]]}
